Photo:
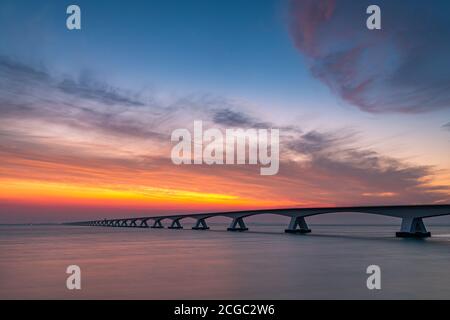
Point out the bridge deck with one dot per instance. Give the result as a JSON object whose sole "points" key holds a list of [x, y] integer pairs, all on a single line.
{"points": [[411, 215]]}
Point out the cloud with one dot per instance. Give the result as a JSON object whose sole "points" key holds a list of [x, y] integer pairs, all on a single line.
{"points": [[30, 94], [336, 165], [95, 91], [92, 112], [446, 126], [228, 117], [232, 118], [313, 142], [335, 173], [402, 68], [17, 77]]}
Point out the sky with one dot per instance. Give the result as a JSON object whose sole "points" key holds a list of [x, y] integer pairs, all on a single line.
{"points": [[86, 115]]}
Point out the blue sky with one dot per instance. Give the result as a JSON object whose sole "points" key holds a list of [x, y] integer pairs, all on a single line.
{"points": [[235, 48], [242, 48]]}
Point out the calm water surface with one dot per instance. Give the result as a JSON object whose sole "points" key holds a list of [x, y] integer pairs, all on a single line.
{"points": [[263, 263]]}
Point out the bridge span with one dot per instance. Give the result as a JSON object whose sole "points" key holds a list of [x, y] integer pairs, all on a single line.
{"points": [[412, 225]]}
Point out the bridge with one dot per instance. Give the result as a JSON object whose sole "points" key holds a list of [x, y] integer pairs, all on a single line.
{"points": [[412, 225]]}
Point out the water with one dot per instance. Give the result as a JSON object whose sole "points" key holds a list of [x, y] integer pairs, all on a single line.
{"points": [[263, 263]]}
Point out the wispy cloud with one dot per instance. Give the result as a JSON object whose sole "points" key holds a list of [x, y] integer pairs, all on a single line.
{"points": [[335, 164], [29, 94], [402, 68], [231, 118], [446, 126], [86, 89]]}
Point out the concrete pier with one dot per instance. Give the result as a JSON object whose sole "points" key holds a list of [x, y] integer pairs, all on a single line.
{"points": [[157, 225], [237, 224], [200, 225], [297, 225], [413, 228], [176, 224]]}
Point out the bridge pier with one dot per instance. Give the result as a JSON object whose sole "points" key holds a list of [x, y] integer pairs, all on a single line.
{"points": [[237, 225], [176, 224], [157, 225], [200, 225], [133, 223], [298, 225], [144, 223], [413, 228]]}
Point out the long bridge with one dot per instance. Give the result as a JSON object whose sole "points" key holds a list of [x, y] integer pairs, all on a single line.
{"points": [[412, 225]]}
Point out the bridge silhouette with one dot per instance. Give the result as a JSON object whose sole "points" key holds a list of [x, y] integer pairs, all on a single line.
{"points": [[412, 225]]}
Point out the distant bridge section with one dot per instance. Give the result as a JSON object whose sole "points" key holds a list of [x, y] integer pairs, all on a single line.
{"points": [[412, 225]]}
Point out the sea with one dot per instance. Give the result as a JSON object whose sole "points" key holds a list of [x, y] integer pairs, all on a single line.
{"points": [[263, 263]]}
